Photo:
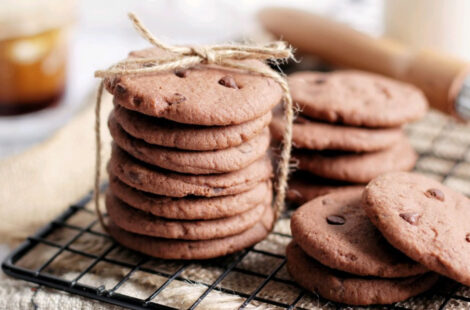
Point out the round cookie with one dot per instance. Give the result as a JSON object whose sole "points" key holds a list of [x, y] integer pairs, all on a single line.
{"points": [[358, 167], [188, 137], [350, 289], [357, 98], [335, 231], [190, 208], [304, 187], [161, 182], [193, 162], [308, 134], [424, 219], [136, 221], [187, 249], [203, 95]]}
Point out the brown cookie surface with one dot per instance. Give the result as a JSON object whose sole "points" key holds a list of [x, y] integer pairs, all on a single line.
{"points": [[350, 289], [304, 187], [188, 137], [313, 135], [424, 219], [335, 231], [162, 182], [358, 167], [191, 208], [136, 221], [189, 249], [357, 98], [203, 95], [193, 162]]}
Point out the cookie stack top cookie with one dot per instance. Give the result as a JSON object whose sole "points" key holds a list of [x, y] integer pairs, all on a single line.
{"points": [[189, 171], [349, 128], [357, 98], [204, 95]]}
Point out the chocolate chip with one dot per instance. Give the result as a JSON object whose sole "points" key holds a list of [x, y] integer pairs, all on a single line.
{"points": [[177, 98], [228, 81], [181, 73], [120, 90], [467, 238], [137, 101], [320, 81], [335, 220], [148, 64], [135, 177], [435, 193], [410, 217]]}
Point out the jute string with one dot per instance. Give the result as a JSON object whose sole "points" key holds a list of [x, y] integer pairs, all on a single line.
{"points": [[190, 56]]}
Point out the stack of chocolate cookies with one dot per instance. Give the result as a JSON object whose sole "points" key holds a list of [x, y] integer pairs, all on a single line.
{"points": [[189, 173], [382, 244], [349, 129]]}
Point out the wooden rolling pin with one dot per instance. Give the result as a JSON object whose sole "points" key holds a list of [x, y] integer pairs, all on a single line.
{"points": [[440, 77]]}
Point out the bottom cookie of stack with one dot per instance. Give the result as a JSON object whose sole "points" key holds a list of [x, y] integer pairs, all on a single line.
{"points": [[194, 249], [351, 289]]}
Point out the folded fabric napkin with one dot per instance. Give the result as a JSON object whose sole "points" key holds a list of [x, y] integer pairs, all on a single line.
{"points": [[39, 184]]}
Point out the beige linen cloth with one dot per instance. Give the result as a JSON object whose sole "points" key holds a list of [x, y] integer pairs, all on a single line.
{"points": [[38, 185]]}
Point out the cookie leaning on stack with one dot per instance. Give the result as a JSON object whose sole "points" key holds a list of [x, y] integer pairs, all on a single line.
{"points": [[189, 171], [337, 252], [349, 129], [383, 243]]}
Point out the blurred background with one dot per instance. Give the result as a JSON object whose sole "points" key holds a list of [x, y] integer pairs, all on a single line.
{"points": [[49, 49]]}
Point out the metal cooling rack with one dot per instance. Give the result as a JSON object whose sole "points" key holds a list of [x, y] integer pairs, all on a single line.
{"points": [[258, 274]]}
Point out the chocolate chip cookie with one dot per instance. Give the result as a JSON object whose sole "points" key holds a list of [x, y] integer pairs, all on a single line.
{"points": [[358, 167], [424, 219], [351, 289], [136, 221], [190, 208], [356, 98], [163, 182], [189, 249], [162, 132], [313, 135], [304, 186], [193, 162], [203, 95], [335, 230]]}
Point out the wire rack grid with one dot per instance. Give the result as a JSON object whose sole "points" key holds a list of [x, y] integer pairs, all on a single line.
{"points": [[73, 254]]}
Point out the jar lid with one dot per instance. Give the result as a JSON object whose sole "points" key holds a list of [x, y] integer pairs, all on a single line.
{"points": [[20, 18]]}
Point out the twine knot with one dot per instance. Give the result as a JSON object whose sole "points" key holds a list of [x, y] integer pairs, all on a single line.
{"points": [[207, 54], [189, 56]]}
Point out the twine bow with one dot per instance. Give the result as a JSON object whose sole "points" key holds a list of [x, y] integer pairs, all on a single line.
{"points": [[190, 56]]}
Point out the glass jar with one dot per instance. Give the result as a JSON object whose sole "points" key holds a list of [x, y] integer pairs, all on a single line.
{"points": [[33, 53]]}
